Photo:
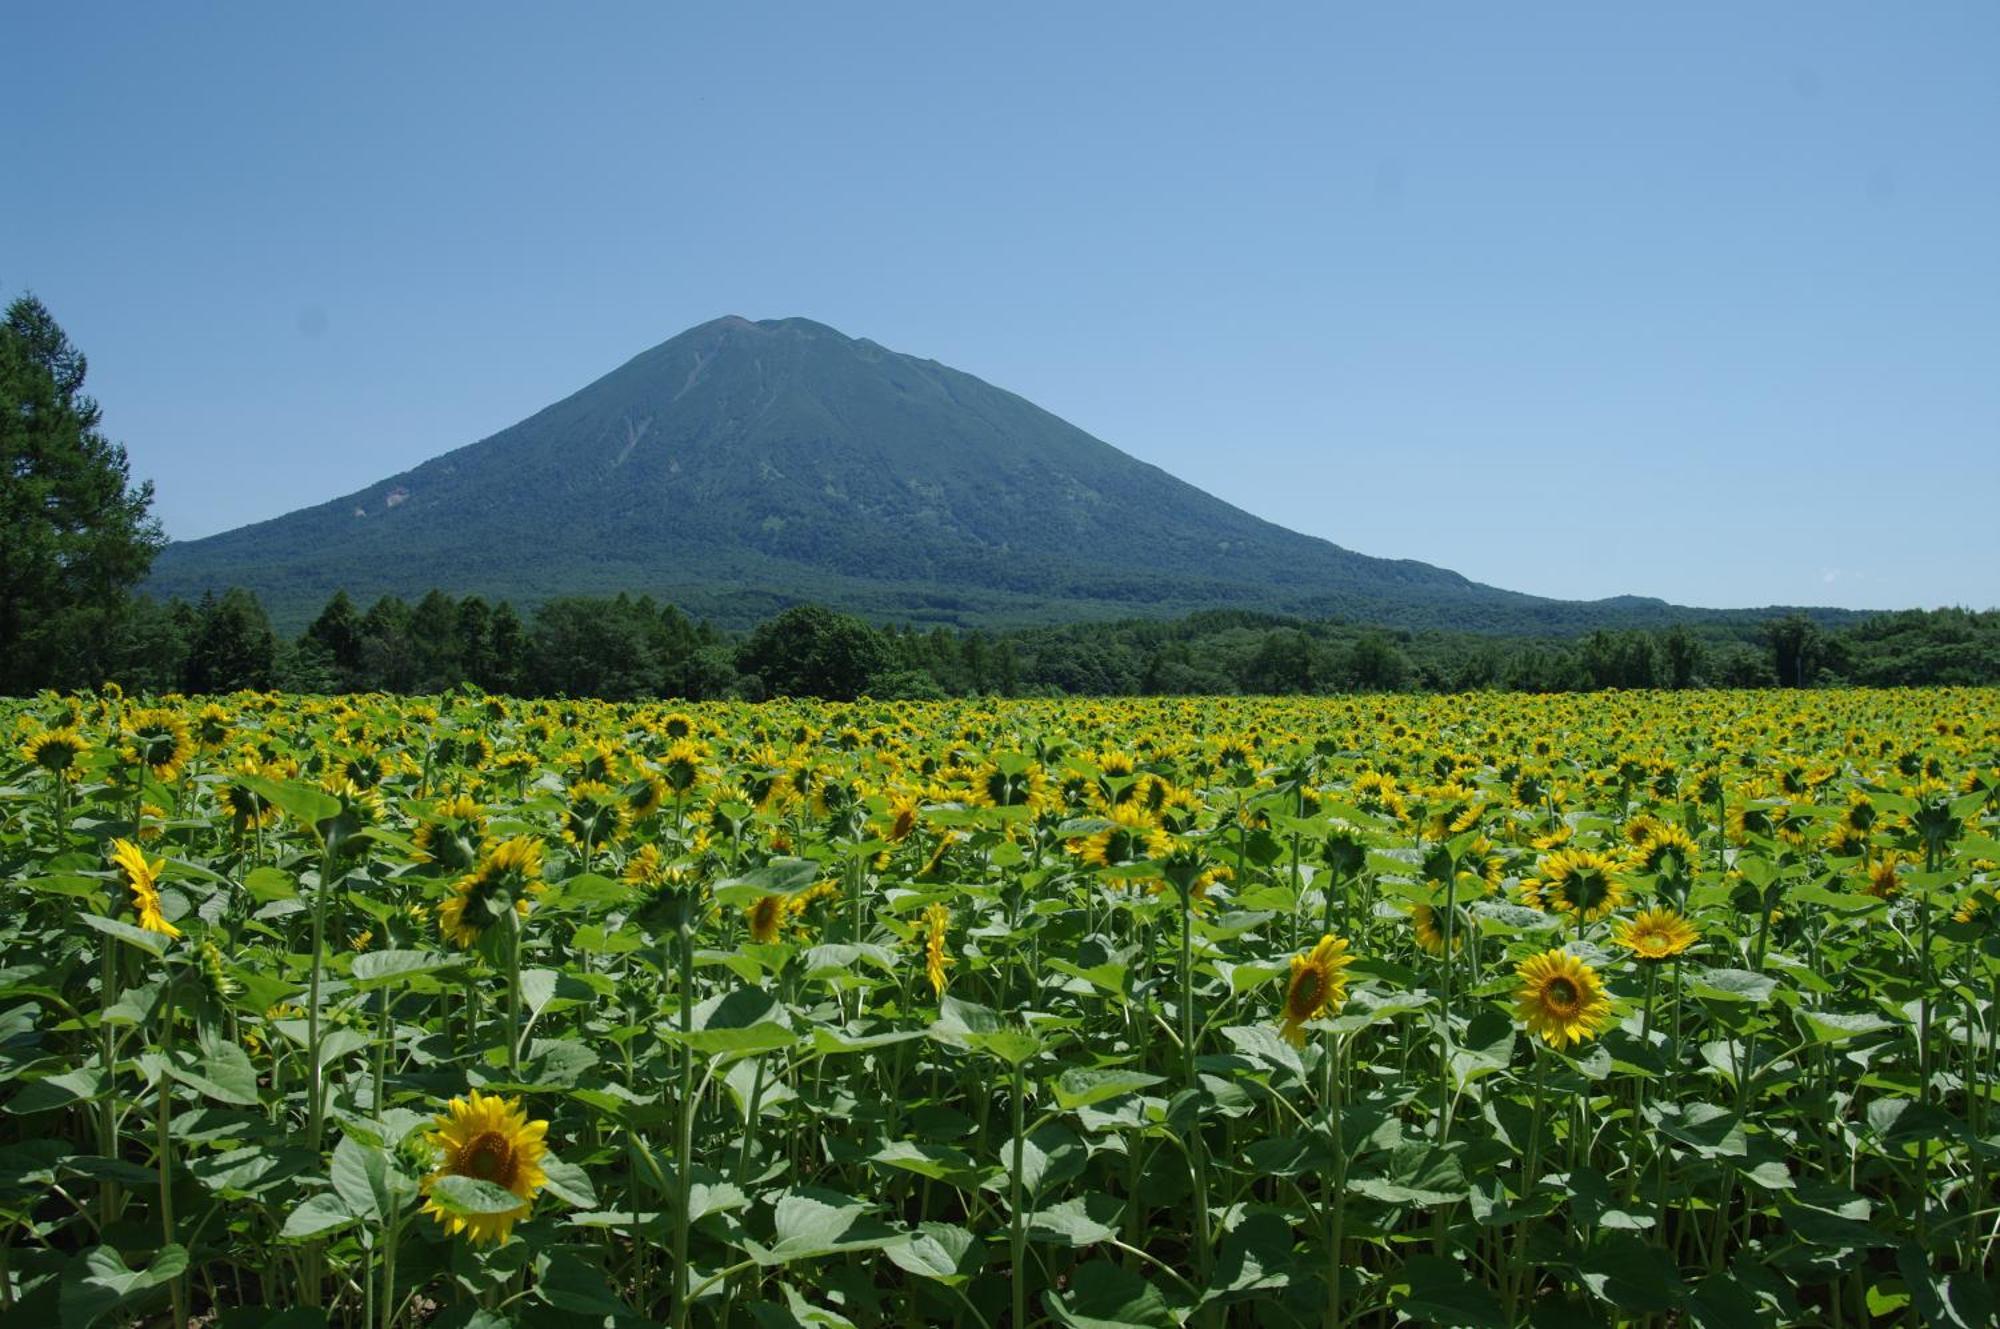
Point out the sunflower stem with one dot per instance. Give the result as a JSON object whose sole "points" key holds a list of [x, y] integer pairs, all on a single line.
{"points": [[1444, 1007], [1197, 1152], [513, 993], [1531, 1173], [391, 1239], [1017, 1230], [1337, 1190], [684, 1122], [1924, 1037], [164, 1147], [1652, 971], [107, 1110], [315, 1073]]}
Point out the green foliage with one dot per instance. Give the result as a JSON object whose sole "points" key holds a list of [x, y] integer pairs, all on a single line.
{"points": [[834, 1035], [627, 648], [75, 535], [233, 648], [813, 652]]}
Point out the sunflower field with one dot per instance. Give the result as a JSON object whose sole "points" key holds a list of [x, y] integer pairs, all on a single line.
{"points": [[1631, 1009]]}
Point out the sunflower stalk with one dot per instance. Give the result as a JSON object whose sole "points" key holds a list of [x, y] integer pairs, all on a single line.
{"points": [[683, 1119], [1530, 1176], [1197, 1151], [108, 1191], [513, 919], [1017, 1227], [1652, 972], [391, 1239], [163, 1144], [1336, 1196], [316, 1073], [1444, 1011]]}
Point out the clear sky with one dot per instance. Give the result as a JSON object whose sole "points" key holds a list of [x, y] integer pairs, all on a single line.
{"points": [[1699, 301]]}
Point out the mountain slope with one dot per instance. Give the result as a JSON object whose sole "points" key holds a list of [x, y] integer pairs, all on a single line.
{"points": [[742, 466]]}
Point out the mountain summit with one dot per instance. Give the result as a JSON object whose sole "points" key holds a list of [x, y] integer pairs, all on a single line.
{"points": [[742, 466]]}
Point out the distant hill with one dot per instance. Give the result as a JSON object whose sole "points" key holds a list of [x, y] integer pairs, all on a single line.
{"points": [[745, 466]]}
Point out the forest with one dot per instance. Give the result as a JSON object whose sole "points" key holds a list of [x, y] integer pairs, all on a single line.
{"points": [[628, 648]]}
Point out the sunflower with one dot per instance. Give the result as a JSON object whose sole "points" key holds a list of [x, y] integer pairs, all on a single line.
{"points": [[57, 751], [452, 835], [1554, 838], [1667, 851], [1430, 936], [1747, 820], [1792, 823], [159, 741], [646, 867], [600, 763], [1115, 765], [248, 811], [1131, 835], [1533, 789], [512, 870], [902, 818], [1860, 813], [1932, 821], [765, 915], [1579, 882], [1234, 751], [1179, 810], [213, 727], [1561, 998], [213, 969], [1448, 810], [1977, 903], [668, 895], [1655, 934], [142, 880], [1883, 882], [727, 811], [1219, 875], [1374, 791], [1642, 828], [366, 767], [1479, 872], [681, 767], [487, 1138], [1318, 985], [1482, 867], [936, 862], [937, 922], [645, 796], [796, 905], [1010, 784], [1706, 787], [1344, 852], [595, 815]]}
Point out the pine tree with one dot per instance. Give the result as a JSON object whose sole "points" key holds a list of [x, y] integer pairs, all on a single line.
{"points": [[75, 534]]}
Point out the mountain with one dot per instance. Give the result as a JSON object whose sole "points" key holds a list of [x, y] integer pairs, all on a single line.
{"points": [[744, 466]]}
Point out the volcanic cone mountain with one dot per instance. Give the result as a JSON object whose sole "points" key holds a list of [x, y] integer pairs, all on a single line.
{"points": [[743, 466]]}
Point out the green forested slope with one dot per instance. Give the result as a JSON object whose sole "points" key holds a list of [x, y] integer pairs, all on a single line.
{"points": [[741, 467]]}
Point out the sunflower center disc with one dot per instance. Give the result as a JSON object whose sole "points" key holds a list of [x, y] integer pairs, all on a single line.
{"points": [[487, 1158]]}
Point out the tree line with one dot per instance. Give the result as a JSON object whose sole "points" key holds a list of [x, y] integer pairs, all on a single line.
{"points": [[628, 648]]}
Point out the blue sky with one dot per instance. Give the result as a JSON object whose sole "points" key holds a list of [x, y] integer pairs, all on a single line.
{"points": [[1695, 301]]}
